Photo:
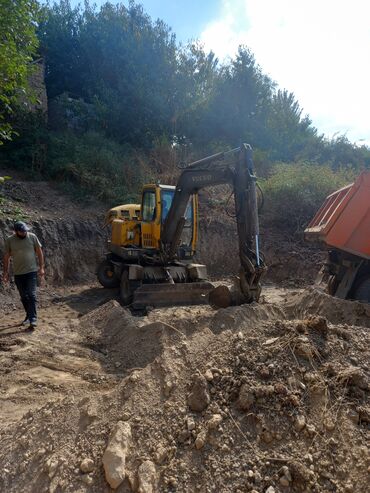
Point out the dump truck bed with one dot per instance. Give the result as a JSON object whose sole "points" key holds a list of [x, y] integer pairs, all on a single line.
{"points": [[343, 221]]}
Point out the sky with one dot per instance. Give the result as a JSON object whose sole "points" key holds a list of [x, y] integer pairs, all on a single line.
{"points": [[317, 49]]}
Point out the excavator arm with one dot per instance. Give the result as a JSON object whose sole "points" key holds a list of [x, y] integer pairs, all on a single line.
{"points": [[234, 167]]}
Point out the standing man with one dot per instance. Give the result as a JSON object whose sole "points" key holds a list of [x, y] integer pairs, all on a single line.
{"points": [[25, 250]]}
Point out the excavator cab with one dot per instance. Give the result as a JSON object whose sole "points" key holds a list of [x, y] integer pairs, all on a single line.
{"points": [[155, 205]]}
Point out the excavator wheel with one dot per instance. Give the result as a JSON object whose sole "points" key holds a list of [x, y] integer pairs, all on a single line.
{"points": [[127, 288], [106, 275], [362, 291]]}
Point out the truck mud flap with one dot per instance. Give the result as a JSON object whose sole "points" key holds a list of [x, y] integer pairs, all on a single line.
{"points": [[157, 295]]}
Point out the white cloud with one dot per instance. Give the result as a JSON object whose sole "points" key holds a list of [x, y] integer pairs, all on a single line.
{"points": [[318, 49]]}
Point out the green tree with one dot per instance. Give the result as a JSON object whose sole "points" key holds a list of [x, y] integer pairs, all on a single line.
{"points": [[236, 107], [117, 59], [18, 46], [290, 133]]}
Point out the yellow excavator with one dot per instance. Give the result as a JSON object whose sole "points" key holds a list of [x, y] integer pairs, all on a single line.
{"points": [[151, 257]]}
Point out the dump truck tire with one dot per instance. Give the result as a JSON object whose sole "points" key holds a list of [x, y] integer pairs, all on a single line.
{"points": [[362, 292], [106, 275]]}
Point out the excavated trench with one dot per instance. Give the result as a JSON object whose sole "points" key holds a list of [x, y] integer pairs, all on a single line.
{"points": [[74, 247]]}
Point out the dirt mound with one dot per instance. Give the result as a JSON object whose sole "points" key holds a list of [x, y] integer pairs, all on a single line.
{"points": [[254, 400], [315, 302], [122, 338]]}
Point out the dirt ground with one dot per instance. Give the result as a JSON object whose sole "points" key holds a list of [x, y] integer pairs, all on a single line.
{"points": [[259, 398]]}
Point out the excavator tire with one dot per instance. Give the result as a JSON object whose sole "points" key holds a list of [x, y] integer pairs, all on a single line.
{"points": [[362, 292], [106, 275]]}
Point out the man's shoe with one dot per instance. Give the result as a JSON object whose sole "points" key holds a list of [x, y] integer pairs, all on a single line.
{"points": [[26, 321], [32, 326]]}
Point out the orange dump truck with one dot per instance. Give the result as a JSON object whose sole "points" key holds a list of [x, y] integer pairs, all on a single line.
{"points": [[343, 224]]}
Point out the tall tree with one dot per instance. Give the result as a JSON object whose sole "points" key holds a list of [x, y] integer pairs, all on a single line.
{"points": [[290, 132], [18, 45]]}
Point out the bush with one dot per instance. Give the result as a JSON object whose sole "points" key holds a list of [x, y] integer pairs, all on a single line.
{"points": [[94, 166], [27, 151], [294, 192]]}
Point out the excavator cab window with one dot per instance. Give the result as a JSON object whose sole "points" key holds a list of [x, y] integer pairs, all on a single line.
{"points": [[149, 209], [167, 197], [187, 233]]}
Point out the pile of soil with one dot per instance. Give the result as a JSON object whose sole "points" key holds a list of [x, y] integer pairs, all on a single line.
{"points": [[259, 398]]}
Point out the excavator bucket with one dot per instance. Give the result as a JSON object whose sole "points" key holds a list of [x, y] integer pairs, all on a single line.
{"points": [[226, 295], [156, 295]]}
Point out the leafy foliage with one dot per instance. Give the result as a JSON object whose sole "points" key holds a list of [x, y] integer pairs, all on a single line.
{"points": [[18, 45], [93, 165], [295, 191], [124, 96]]}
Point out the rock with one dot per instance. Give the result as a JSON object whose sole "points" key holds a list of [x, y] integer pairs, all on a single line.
{"points": [[304, 349], [87, 465], [225, 448], [270, 489], [168, 387], [199, 397], [172, 482], [208, 375], [270, 341], [329, 424], [264, 372], [320, 324], [87, 479], [300, 422], [311, 429], [267, 436], [353, 416], [246, 397], [161, 454], [190, 423], [214, 421], [114, 458], [286, 477], [52, 466], [284, 481], [300, 328], [257, 477], [200, 441], [286, 472], [147, 477]]}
